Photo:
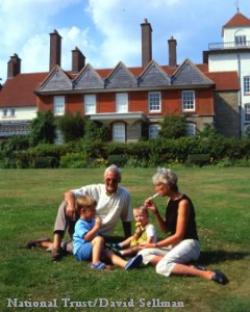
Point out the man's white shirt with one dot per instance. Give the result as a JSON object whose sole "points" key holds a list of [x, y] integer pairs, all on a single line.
{"points": [[110, 207]]}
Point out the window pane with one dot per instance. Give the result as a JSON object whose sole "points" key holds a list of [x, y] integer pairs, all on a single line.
{"points": [[190, 129], [59, 105], [240, 40], [154, 101], [118, 132], [154, 130], [90, 104], [122, 102], [247, 84], [5, 112], [247, 112], [188, 100]]}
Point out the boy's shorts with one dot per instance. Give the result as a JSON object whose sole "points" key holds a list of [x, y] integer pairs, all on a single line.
{"points": [[84, 252]]}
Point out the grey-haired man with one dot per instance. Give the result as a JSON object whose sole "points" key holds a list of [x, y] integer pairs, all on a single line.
{"points": [[113, 204]]}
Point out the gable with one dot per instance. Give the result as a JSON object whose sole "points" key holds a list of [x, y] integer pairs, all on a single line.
{"points": [[88, 79], [121, 78], [56, 81], [154, 76], [189, 74]]}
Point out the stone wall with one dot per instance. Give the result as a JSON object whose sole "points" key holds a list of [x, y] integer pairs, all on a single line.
{"points": [[227, 114]]}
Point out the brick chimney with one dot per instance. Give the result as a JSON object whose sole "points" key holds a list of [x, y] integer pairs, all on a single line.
{"points": [[55, 49], [14, 66], [205, 57], [146, 42], [172, 58], [78, 60]]}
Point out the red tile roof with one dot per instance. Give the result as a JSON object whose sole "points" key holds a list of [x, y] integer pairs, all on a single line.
{"points": [[238, 20], [224, 81], [19, 90]]}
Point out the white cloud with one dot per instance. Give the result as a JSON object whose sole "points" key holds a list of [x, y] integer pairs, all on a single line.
{"points": [[193, 23], [23, 26], [110, 30]]}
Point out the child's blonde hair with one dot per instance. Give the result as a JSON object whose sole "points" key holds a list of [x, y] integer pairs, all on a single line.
{"points": [[142, 209], [85, 203]]}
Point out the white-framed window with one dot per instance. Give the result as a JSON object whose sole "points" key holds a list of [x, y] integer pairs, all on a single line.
{"points": [[5, 112], [12, 112], [190, 129], [153, 131], [154, 102], [59, 105], [246, 81], [240, 40], [59, 139], [90, 104], [247, 112], [119, 132], [188, 100], [121, 100]]}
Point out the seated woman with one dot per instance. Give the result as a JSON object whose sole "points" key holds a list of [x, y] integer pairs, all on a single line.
{"points": [[173, 254]]}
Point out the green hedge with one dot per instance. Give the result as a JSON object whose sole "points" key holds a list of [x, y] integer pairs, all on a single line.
{"points": [[84, 153]]}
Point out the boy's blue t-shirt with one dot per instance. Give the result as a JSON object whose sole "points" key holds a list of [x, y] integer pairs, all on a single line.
{"points": [[82, 227]]}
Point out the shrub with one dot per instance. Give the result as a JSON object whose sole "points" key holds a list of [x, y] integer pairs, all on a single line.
{"points": [[43, 128], [16, 143], [173, 127], [119, 160], [74, 160], [198, 159], [96, 131], [71, 126]]}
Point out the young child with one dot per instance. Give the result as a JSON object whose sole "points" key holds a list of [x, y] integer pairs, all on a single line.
{"points": [[144, 233], [87, 244]]}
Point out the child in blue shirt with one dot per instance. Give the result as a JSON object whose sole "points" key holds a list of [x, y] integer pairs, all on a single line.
{"points": [[88, 244]]}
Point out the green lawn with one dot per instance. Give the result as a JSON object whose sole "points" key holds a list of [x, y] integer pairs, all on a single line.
{"points": [[28, 204]]}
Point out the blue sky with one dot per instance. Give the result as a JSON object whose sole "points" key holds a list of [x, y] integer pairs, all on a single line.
{"points": [[108, 31]]}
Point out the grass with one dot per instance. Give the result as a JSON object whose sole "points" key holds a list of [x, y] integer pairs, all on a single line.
{"points": [[28, 205]]}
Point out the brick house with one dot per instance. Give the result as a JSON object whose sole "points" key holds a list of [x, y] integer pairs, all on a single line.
{"points": [[127, 99]]}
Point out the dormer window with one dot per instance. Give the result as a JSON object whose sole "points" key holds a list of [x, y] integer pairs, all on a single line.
{"points": [[240, 40]]}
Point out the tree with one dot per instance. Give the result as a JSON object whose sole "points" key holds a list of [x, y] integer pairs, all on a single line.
{"points": [[96, 131], [72, 127], [173, 127], [43, 128]]}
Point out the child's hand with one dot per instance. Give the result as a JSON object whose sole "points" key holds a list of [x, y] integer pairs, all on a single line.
{"points": [[146, 245]]}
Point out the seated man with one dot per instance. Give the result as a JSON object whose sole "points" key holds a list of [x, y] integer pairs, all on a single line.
{"points": [[113, 203]]}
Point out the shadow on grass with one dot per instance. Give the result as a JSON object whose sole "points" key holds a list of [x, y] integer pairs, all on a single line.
{"points": [[217, 256]]}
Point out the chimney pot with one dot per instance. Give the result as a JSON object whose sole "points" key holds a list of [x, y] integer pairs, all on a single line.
{"points": [[55, 49], [14, 66], [172, 56], [78, 60], [146, 42]]}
